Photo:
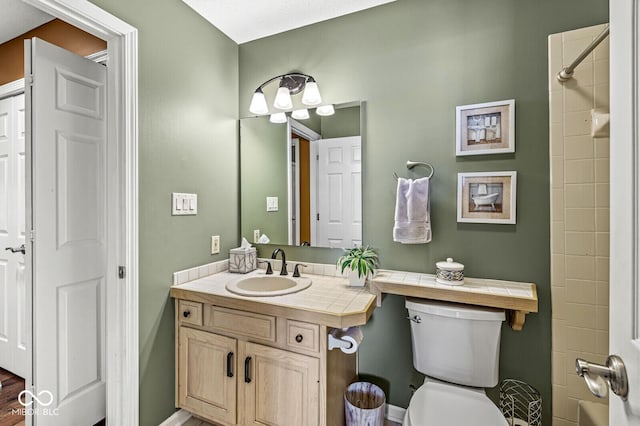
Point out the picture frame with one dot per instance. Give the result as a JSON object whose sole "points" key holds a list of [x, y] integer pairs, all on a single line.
{"points": [[487, 128], [487, 197]]}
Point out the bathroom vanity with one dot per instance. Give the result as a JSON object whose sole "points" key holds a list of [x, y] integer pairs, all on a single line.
{"points": [[244, 360]]}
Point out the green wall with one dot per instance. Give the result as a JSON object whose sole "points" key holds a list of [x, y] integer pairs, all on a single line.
{"points": [[412, 62], [263, 173], [188, 129]]}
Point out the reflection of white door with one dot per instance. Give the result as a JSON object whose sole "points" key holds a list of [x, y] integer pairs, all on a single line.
{"points": [[624, 317], [67, 203], [339, 197], [13, 338]]}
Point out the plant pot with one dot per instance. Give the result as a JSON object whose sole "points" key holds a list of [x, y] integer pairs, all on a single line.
{"points": [[355, 280]]}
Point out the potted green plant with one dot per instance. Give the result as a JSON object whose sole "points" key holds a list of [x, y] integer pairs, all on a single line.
{"points": [[361, 262]]}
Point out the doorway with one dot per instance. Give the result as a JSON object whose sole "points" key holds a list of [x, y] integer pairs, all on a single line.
{"points": [[121, 315]]}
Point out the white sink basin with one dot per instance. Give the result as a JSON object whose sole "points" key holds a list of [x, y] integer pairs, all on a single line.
{"points": [[268, 285]]}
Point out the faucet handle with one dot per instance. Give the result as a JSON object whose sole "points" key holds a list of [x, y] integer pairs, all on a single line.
{"points": [[269, 268], [296, 271]]}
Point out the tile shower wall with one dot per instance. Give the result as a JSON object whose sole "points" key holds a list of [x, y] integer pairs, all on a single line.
{"points": [[579, 218]]}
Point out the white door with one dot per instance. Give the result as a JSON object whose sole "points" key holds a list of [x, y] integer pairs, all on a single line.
{"points": [[339, 205], [13, 337], [67, 201], [624, 317]]}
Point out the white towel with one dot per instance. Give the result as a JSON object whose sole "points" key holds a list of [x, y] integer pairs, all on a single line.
{"points": [[412, 222]]}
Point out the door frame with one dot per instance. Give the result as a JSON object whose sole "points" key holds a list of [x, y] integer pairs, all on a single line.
{"points": [[122, 132], [300, 129]]}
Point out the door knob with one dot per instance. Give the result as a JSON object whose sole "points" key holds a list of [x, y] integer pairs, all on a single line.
{"points": [[20, 249], [598, 376]]}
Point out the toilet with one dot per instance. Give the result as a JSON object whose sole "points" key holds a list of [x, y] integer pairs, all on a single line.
{"points": [[457, 347]]}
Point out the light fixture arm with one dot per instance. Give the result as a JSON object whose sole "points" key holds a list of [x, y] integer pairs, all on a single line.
{"points": [[300, 79]]}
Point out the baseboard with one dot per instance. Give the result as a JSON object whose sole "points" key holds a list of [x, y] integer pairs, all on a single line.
{"points": [[178, 418], [394, 413]]}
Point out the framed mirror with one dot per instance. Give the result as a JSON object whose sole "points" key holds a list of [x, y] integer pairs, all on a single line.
{"points": [[301, 181]]}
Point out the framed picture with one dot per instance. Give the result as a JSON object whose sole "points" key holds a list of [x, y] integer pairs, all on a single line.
{"points": [[487, 128], [487, 197]]}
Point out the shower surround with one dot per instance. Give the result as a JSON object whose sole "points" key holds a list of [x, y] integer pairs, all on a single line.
{"points": [[579, 167]]}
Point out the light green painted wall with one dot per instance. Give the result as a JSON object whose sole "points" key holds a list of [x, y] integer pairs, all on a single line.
{"points": [[188, 110], [263, 173], [345, 122], [413, 61]]}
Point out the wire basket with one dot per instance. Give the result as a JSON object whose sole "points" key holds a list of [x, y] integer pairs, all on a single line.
{"points": [[520, 403]]}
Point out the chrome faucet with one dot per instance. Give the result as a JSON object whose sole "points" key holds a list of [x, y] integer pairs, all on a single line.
{"points": [[274, 255]]}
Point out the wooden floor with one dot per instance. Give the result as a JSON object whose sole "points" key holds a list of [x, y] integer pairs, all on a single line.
{"points": [[11, 386]]}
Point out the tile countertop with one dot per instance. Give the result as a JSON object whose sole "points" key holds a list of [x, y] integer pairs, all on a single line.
{"points": [[329, 301], [517, 297]]}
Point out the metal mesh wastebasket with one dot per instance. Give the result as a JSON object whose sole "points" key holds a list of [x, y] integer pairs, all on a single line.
{"points": [[520, 403]]}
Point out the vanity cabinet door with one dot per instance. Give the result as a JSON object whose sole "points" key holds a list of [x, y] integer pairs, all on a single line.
{"points": [[277, 388], [207, 375]]}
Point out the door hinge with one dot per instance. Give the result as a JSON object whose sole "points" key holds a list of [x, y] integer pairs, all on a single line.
{"points": [[32, 235], [317, 216], [122, 272], [30, 79]]}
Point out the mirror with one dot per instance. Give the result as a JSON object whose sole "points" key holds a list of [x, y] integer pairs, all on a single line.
{"points": [[300, 182]]}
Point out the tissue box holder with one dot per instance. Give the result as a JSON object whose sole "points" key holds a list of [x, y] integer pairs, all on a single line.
{"points": [[243, 261]]}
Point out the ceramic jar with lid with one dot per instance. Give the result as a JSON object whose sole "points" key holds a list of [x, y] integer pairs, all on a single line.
{"points": [[450, 272]]}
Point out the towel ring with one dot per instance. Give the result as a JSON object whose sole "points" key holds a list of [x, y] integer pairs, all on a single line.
{"points": [[412, 164]]}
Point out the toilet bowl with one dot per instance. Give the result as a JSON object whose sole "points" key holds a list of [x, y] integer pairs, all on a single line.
{"points": [[444, 404], [457, 348]]}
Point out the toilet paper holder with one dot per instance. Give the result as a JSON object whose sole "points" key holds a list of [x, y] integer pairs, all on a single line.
{"points": [[346, 339]]}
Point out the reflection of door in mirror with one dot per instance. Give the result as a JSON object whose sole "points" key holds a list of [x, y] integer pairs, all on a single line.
{"points": [[338, 192]]}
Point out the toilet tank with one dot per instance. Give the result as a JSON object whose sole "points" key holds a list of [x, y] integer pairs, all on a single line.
{"points": [[456, 343]]}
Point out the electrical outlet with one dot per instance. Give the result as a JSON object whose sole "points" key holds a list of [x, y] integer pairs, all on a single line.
{"points": [[215, 244], [256, 235]]}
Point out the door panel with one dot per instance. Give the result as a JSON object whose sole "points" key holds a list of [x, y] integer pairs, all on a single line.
{"points": [[13, 356], [68, 187], [339, 220], [624, 303]]}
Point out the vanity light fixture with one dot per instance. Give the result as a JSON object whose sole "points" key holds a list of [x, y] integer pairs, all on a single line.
{"points": [[300, 114], [278, 118], [289, 85], [325, 110]]}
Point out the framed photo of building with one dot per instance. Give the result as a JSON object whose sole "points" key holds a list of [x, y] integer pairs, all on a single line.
{"points": [[487, 128], [487, 197]]}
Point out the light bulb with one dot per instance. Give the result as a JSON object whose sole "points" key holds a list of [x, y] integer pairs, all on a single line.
{"points": [[325, 110], [283, 99], [258, 103], [311, 94], [300, 114], [278, 118]]}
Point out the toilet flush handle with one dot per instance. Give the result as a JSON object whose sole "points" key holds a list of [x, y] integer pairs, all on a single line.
{"points": [[415, 319]]}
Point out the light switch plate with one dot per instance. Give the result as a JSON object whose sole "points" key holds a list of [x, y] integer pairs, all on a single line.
{"points": [[272, 204], [215, 244], [256, 235], [183, 204]]}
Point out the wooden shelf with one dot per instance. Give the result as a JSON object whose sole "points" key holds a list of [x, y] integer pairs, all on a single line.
{"points": [[517, 298]]}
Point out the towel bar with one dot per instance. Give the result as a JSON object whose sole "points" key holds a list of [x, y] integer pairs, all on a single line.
{"points": [[412, 164]]}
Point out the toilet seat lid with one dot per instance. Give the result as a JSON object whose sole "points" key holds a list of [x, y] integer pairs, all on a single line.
{"points": [[436, 403]]}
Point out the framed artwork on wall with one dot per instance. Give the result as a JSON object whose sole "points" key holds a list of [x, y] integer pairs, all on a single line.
{"points": [[487, 197], [487, 128]]}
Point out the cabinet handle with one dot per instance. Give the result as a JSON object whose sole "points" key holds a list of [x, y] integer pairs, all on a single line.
{"points": [[186, 314], [247, 369], [230, 364], [299, 338]]}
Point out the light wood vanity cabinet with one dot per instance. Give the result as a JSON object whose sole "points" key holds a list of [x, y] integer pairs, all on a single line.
{"points": [[238, 367]]}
